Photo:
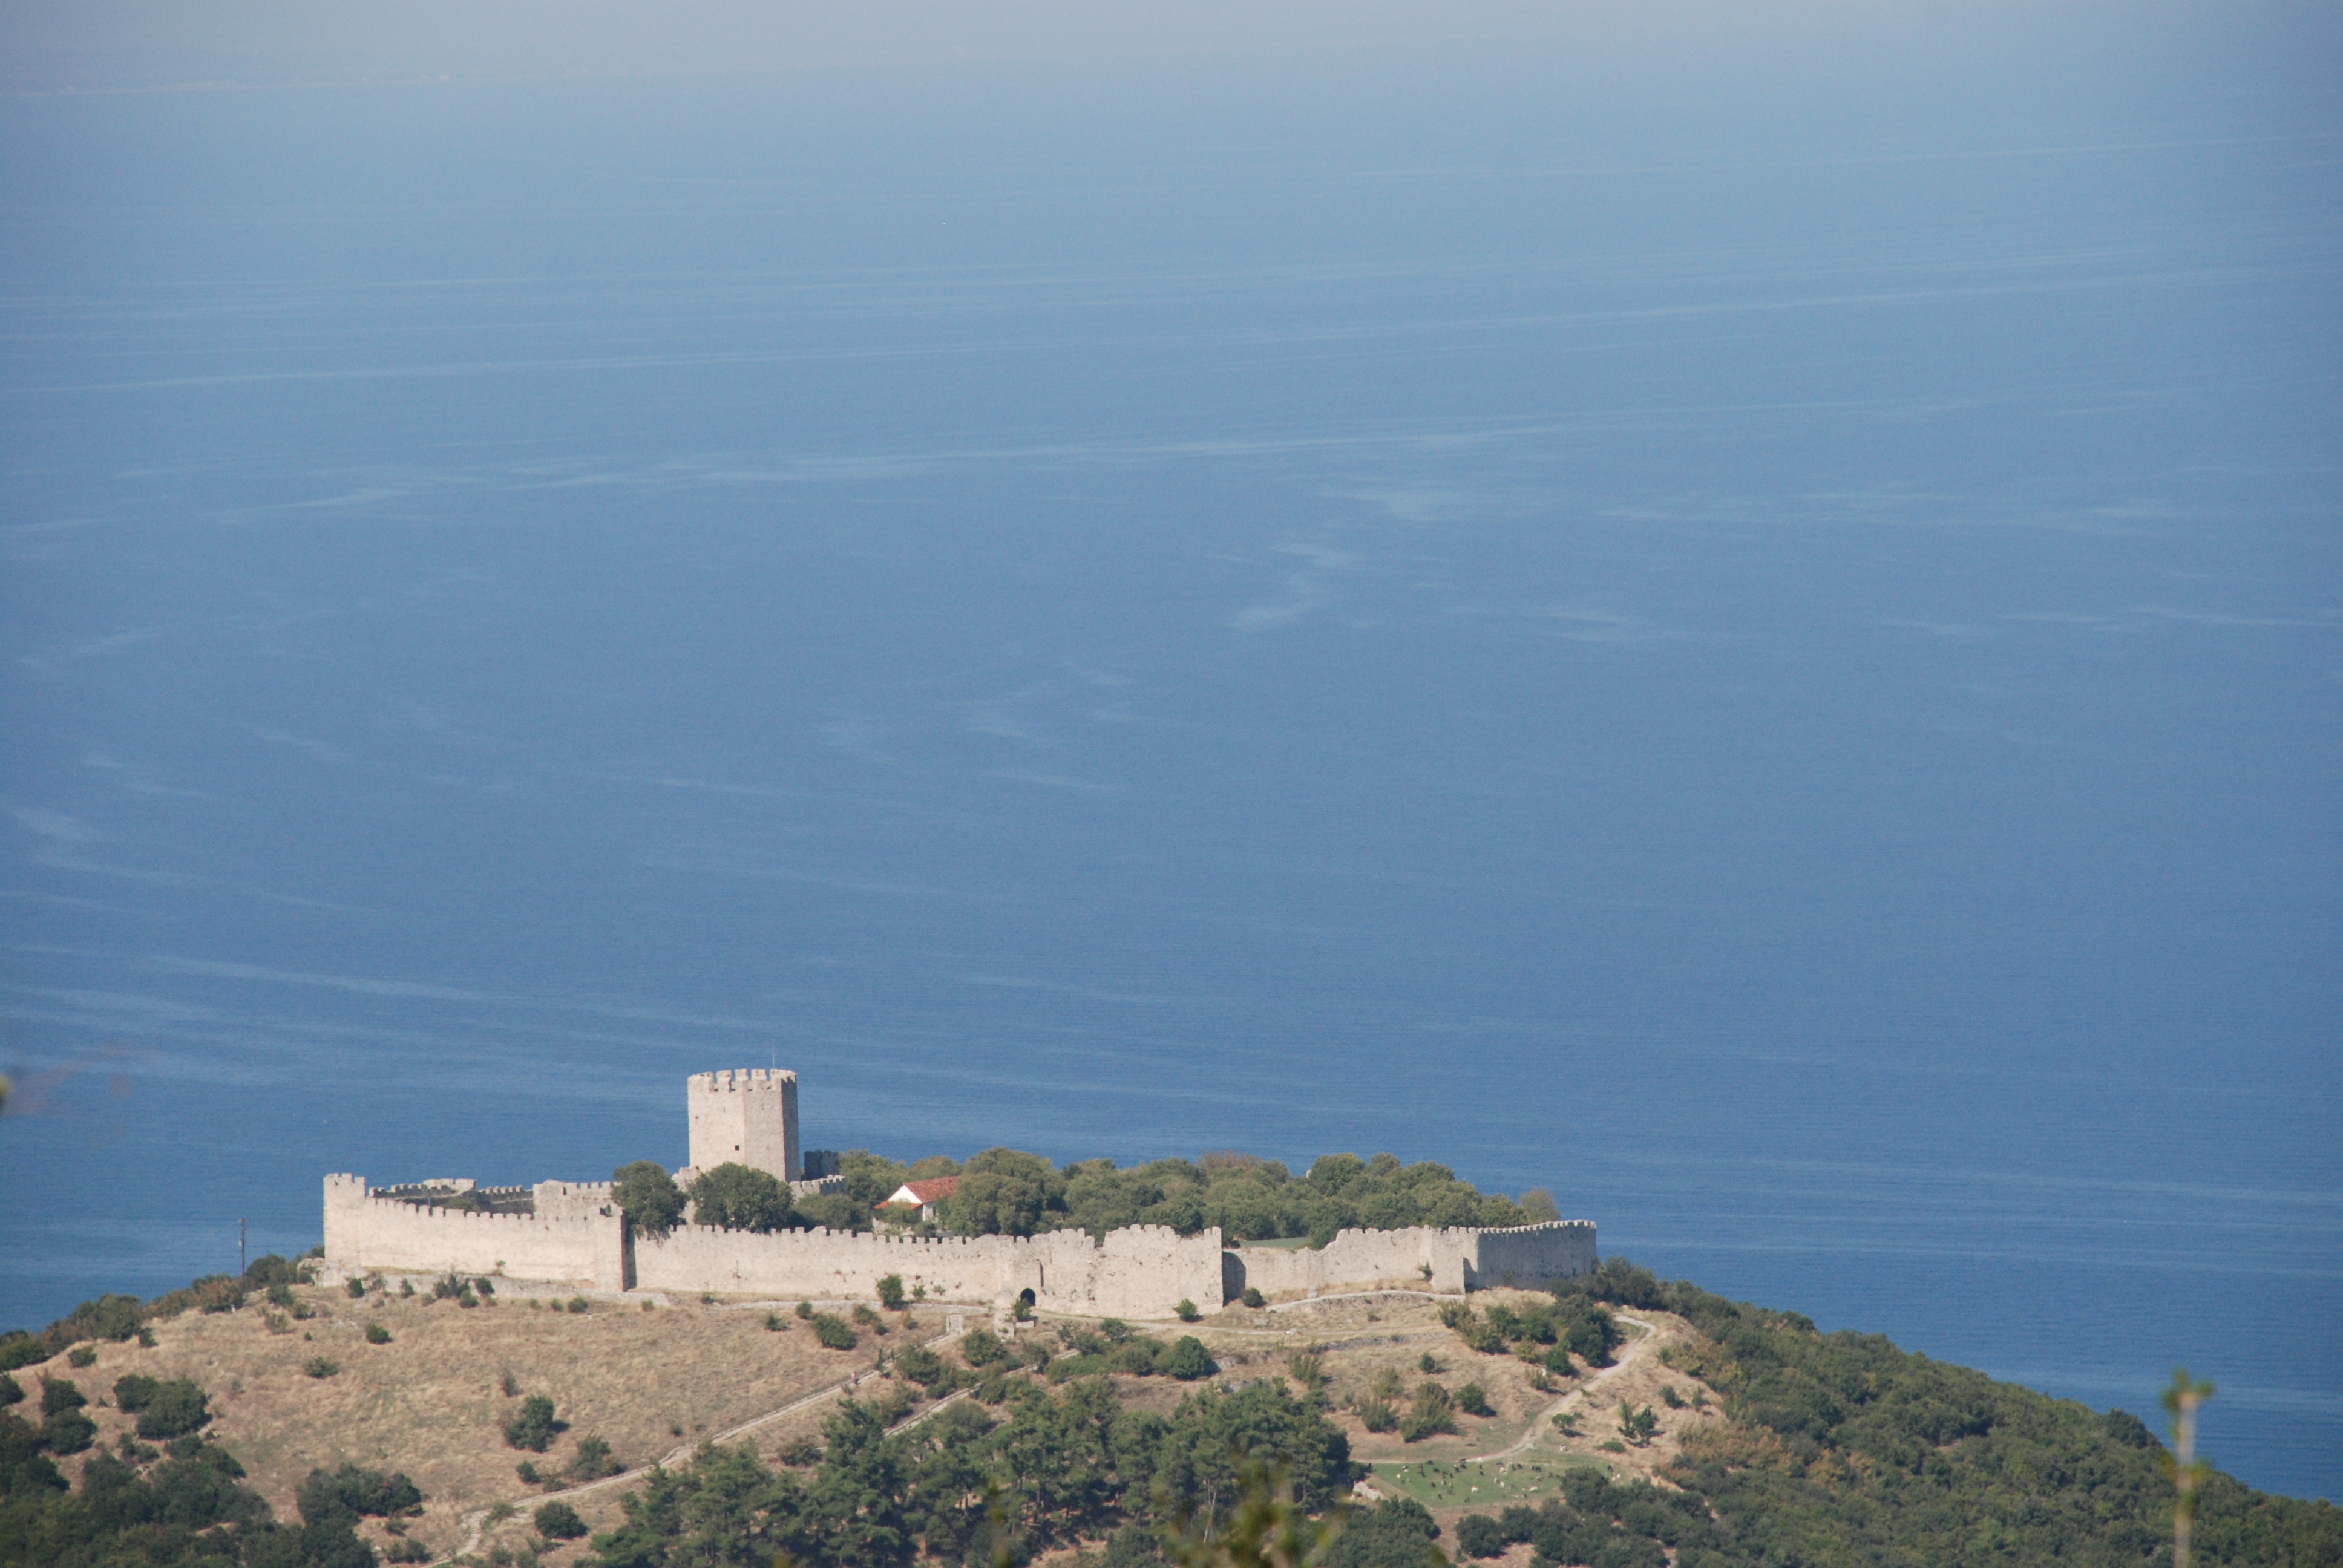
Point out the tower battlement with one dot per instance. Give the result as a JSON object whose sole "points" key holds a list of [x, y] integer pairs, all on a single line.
{"points": [[745, 1116]]}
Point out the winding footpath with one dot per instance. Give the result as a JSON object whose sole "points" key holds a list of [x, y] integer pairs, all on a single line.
{"points": [[476, 1522]]}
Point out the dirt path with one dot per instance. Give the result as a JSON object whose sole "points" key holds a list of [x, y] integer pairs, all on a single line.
{"points": [[1583, 1391], [476, 1521]]}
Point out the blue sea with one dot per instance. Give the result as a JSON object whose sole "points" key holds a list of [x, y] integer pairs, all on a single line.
{"points": [[1756, 641]]}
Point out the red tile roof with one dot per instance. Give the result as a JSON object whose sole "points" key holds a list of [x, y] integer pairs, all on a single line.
{"points": [[925, 1193]]}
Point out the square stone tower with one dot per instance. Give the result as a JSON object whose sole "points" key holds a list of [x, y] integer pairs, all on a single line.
{"points": [[748, 1116]]}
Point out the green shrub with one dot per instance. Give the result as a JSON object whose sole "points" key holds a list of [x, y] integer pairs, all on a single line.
{"points": [[375, 1334], [61, 1394], [922, 1366], [800, 1451], [82, 1356], [1478, 1535], [1186, 1311], [11, 1391], [1376, 1414], [354, 1289], [533, 1427], [1669, 1397], [559, 1521], [981, 1348], [172, 1409], [269, 1270], [891, 1293], [804, 1310], [1188, 1361], [1431, 1412], [1252, 1297], [280, 1295], [593, 1462], [1473, 1399], [408, 1550], [832, 1333], [319, 1367], [68, 1431], [527, 1471], [343, 1496], [1138, 1358], [867, 1319], [579, 1304]]}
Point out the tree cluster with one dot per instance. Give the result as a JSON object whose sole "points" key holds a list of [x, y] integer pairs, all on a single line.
{"points": [[1546, 1333], [177, 1506], [119, 1318], [1007, 1192], [171, 1408], [1593, 1522], [1842, 1448], [1050, 1468]]}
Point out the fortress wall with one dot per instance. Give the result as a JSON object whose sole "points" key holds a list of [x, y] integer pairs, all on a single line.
{"points": [[1530, 1255], [1460, 1259], [572, 1200], [1147, 1270], [1140, 1272], [363, 1232], [1359, 1259], [815, 1264]]}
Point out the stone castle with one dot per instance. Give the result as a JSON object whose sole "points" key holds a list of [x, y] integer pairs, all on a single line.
{"points": [[570, 1234]]}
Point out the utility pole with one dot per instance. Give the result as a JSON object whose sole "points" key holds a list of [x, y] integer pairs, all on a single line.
{"points": [[240, 1264]]}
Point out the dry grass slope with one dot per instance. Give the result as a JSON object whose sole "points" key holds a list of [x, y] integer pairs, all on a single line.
{"points": [[431, 1402]]}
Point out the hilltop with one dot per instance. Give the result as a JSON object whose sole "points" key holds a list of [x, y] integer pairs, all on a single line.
{"points": [[1693, 1431]]}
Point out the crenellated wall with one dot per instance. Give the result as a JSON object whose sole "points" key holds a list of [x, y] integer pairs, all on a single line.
{"points": [[1530, 1255], [1454, 1259], [573, 1199], [364, 1232], [1142, 1272]]}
